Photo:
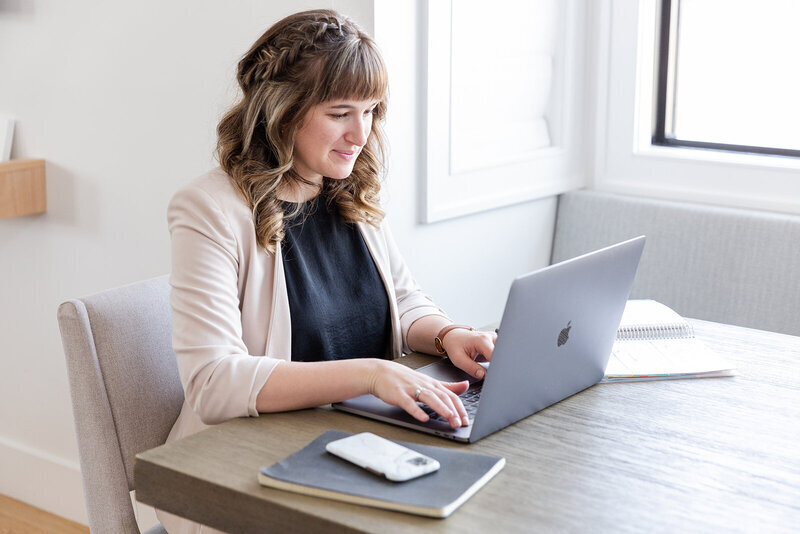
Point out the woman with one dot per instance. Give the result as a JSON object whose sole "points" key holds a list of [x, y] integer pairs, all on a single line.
{"points": [[287, 288]]}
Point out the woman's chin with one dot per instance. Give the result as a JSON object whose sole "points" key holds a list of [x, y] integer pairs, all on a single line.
{"points": [[340, 174]]}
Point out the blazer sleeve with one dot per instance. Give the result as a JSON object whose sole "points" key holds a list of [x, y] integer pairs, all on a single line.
{"points": [[412, 303], [220, 379]]}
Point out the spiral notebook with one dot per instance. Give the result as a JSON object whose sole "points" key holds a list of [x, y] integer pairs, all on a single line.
{"points": [[655, 343]]}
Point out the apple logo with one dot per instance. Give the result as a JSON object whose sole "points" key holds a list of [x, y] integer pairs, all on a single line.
{"points": [[564, 335]]}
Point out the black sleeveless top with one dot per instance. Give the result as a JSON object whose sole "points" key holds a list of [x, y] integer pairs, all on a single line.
{"points": [[337, 301]]}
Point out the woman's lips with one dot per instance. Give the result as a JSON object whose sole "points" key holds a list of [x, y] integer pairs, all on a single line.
{"points": [[347, 155]]}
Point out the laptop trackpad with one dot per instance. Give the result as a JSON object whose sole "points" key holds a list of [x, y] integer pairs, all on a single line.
{"points": [[373, 407], [445, 371]]}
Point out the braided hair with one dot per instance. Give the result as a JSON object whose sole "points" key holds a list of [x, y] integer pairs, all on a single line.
{"points": [[303, 60]]}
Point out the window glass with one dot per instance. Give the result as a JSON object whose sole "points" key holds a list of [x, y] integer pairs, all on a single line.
{"points": [[737, 79]]}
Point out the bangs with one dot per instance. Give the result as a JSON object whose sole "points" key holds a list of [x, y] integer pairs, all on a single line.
{"points": [[354, 71]]}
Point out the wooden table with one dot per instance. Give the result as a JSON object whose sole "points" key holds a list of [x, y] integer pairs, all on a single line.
{"points": [[707, 455]]}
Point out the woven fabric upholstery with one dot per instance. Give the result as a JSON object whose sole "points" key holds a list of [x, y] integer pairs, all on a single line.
{"points": [[126, 392], [720, 264]]}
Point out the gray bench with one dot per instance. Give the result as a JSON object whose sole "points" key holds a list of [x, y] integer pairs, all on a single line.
{"points": [[727, 265]]}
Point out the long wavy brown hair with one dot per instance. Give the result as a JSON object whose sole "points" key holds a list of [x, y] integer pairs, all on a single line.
{"points": [[303, 60]]}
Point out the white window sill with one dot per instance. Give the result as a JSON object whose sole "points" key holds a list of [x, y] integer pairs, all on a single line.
{"points": [[754, 161]]}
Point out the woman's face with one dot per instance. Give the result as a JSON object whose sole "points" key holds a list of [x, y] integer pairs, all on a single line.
{"points": [[331, 137]]}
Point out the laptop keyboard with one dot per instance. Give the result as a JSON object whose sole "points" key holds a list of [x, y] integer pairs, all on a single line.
{"points": [[469, 399]]}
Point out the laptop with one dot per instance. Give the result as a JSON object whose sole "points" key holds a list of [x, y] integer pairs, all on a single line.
{"points": [[554, 340]]}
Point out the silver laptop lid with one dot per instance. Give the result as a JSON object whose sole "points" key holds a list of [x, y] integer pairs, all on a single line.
{"points": [[556, 335]]}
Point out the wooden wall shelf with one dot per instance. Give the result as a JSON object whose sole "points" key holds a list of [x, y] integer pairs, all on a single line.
{"points": [[22, 187]]}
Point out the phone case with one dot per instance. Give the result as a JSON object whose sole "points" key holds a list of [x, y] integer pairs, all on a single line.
{"points": [[382, 457]]}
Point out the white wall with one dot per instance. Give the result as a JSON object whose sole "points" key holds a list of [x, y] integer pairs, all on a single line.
{"points": [[467, 264], [122, 100]]}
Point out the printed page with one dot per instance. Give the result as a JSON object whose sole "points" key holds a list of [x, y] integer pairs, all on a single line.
{"points": [[655, 359]]}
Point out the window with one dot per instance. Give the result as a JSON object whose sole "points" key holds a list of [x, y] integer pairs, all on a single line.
{"points": [[727, 76], [503, 104], [711, 102]]}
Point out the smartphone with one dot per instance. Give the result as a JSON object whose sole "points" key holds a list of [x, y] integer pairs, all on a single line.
{"points": [[382, 457]]}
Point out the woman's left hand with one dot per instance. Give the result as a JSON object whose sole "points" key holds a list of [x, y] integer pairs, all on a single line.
{"points": [[463, 346]]}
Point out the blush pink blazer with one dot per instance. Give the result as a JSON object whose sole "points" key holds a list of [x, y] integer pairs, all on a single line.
{"points": [[230, 308]]}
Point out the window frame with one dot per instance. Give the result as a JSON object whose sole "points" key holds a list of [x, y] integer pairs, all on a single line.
{"points": [[668, 35], [626, 161]]}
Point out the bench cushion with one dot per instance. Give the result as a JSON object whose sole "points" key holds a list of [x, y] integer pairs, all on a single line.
{"points": [[727, 265]]}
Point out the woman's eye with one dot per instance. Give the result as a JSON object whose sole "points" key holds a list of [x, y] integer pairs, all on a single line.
{"points": [[339, 115]]}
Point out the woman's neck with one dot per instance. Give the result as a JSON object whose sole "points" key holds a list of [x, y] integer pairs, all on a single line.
{"points": [[299, 192]]}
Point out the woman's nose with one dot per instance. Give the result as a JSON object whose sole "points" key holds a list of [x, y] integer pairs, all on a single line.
{"points": [[359, 131]]}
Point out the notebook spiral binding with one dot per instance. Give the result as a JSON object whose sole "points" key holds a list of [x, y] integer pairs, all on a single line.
{"points": [[655, 331]]}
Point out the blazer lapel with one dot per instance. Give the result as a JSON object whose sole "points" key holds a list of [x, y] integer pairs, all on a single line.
{"points": [[279, 331], [377, 249]]}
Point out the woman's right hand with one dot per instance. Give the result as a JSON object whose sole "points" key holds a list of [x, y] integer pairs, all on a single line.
{"points": [[397, 384]]}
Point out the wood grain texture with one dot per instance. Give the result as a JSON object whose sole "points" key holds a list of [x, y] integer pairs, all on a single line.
{"points": [[18, 517], [696, 455], [22, 187]]}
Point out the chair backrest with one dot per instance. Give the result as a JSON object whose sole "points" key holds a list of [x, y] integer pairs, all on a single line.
{"points": [[721, 264], [126, 391]]}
